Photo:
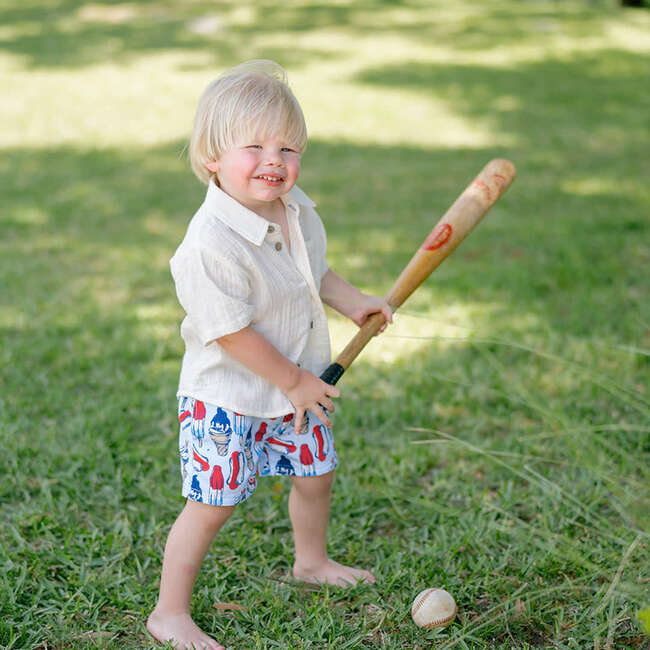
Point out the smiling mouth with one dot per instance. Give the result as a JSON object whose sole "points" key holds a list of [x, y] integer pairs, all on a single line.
{"points": [[270, 179]]}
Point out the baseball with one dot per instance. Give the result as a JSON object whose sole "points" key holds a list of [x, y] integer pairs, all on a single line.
{"points": [[433, 608]]}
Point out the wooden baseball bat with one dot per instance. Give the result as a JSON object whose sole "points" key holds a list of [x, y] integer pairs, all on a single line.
{"points": [[461, 218]]}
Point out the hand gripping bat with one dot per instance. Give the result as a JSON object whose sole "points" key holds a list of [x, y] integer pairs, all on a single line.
{"points": [[461, 218]]}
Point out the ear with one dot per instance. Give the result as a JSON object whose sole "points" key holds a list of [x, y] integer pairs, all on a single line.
{"points": [[212, 166]]}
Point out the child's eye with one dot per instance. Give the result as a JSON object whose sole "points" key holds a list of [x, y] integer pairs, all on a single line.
{"points": [[254, 146], [289, 149]]}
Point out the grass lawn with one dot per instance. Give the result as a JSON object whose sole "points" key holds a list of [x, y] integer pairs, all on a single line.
{"points": [[494, 442]]}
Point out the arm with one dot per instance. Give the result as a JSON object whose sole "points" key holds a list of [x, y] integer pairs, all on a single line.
{"points": [[349, 301], [304, 390]]}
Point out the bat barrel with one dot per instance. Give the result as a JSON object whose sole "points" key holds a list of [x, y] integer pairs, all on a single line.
{"points": [[461, 218]]}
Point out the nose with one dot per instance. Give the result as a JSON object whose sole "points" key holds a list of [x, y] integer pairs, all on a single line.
{"points": [[273, 157]]}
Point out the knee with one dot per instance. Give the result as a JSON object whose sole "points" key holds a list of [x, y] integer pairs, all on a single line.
{"points": [[210, 518], [313, 487]]}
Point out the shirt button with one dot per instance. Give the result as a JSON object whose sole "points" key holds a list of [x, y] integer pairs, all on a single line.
{"points": [[278, 246], [270, 229]]}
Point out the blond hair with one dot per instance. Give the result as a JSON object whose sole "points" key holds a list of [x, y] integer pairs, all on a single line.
{"points": [[250, 100]]}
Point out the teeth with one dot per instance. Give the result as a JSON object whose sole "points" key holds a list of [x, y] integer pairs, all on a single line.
{"points": [[269, 178]]}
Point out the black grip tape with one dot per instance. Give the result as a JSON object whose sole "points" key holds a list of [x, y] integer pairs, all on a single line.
{"points": [[332, 373]]}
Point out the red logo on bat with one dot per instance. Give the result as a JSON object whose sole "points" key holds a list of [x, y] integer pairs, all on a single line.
{"points": [[484, 187], [438, 237]]}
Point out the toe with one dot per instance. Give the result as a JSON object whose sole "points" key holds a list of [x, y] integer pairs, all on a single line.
{"points": [[362, 577]]}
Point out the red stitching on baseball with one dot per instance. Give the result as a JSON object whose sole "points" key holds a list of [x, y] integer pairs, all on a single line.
{"points": [[418, 603], [420, 600]]}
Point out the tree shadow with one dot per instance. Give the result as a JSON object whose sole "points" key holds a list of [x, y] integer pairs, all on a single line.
{"points": [[593, 99], [101, 225], [73, 33]]}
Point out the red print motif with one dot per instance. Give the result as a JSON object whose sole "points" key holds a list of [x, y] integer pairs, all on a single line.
{"points": [[485, 189], [500, 182], [438, 237]]}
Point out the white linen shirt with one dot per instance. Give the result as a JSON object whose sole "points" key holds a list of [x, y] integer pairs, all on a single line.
{"points": [[233, 269]]}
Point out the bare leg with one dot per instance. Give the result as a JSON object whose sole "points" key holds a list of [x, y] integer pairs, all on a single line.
{"points": [[187, 544], [309, 509]]}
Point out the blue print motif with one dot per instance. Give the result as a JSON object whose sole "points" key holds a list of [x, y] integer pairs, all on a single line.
{"points": [[220, 431], [284, 467], [195, 491]]}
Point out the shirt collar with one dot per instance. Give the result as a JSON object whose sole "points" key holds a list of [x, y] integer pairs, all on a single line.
{"points": [[297, 195], [242, 220]]}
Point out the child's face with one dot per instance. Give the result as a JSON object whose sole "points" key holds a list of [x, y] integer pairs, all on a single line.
{"points": [[258, 171]]}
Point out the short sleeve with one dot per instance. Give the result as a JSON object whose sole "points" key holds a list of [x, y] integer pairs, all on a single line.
{"points": [[214, 291]]}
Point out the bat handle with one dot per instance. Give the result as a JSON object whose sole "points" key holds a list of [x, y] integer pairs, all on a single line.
{"points": [[372, 325], [332, 373]]}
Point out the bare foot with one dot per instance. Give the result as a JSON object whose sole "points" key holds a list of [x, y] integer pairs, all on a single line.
{"points": [[332, 573], [181, 630]]}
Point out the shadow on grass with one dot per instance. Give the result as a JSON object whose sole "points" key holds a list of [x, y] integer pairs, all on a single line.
{"points": [[589, 107], [111, 219], [73, 33]]}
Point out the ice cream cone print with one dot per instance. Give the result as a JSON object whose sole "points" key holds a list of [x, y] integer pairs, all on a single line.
{"points": [[220, 431]]}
